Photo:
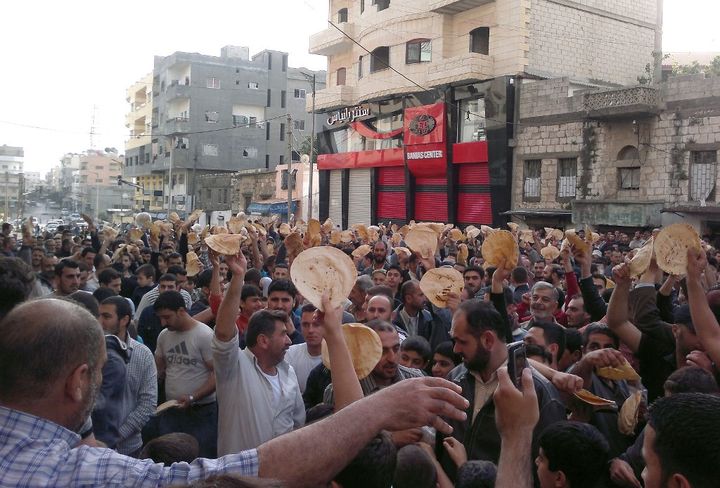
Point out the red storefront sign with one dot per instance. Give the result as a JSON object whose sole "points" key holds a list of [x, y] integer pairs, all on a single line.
{"points": [[425, 147]]}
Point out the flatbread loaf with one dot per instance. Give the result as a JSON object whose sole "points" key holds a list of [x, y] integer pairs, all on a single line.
{"points": [[364, 345], [671, 247], [323, 269], [501, 249], [436, 283]]}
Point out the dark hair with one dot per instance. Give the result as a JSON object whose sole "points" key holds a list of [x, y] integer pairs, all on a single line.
{"points": [[177, 270], [203, 279], [249, 291], [100, 294], [373, 467], [263, 322], [381, 290], [476, 269], [87, 250], [397, 268], [169, 300], [446, 349], [147, 270], [573, 340], [519, 274], [122, 306], [308, 307], [171, 448], [599, 328], [687, 437], [482, 316], [600, 276], [691, 379], [174, 255], [379, 325], [281, 264], [65, 263], [253, 277], [168, 277], [108, 275], [318, 412], [87, 301], [99, 259], [554, 334], [408, 287], [476, 474], [282, 286], [16, 283], [414, 469], [418, 344], [537, 350], [577, 449]]}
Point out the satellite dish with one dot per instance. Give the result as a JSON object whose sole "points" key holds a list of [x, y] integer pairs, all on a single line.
{"points": [[305, 159]]}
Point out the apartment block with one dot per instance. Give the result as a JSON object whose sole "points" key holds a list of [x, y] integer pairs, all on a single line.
{"points": [[12, 160], [213, 114]]}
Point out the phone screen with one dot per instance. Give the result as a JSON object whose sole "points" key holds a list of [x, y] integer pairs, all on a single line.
{"points": [[517, 361]]}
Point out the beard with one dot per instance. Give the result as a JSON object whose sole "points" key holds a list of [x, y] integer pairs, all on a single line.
{"points": [[90, 395], [478, 362]]}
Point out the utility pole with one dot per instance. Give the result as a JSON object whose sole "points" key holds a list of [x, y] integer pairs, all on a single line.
{"points": [[7, 196], [289, 165], [312, 148]]}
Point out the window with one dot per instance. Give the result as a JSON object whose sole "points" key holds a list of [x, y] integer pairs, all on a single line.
{"points": [[208, 194], [362, 6], [249, 152], [240, 120], [531, 186], [283, 96], [567, 177], [480, 40], [284, 179], [629, 178], [269, 98], [472, 120], [269, 60], [360, 67], [418, 51], [299, 124], [181, 179], [282, 131], [703, 174], [382, 4], [282, 159], [267, 161], [211, 117], [380, 59], [284, 62], [629, 153], [210, 150], [342, 15], [225, 195], [267, 131], [213, 83], [299, 93], [340, 77], [253, 85], [252, 121]]}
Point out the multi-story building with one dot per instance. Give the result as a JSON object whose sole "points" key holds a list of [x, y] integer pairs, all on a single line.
{"points": [[88, 180], [634, 157], [419, 113], [214, 114], [139, 123], [11, 179]]}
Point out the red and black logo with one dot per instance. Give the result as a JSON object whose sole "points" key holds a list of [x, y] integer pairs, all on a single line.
{"points": [[422, 125]]}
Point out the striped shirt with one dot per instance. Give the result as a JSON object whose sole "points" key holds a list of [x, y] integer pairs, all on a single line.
{"points": [[150, 297], [369, 385], [37, 452]]}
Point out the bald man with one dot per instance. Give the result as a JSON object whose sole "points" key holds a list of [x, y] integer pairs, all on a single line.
{"points": [[51, 356]]}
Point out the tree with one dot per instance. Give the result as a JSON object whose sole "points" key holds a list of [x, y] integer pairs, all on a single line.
{"points": [[694, 68]]}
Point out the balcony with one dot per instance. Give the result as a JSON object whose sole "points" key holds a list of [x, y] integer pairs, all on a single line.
{"points": [[177, 125], [451, 7], [331, 41], [639, 101], [332, 97], [467, 67], [180, 158], [178, 89]]}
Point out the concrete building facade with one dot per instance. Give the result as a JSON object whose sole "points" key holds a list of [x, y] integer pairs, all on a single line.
{"points": [[420, 108], [633, 157], [215, 114], [12, 160]]}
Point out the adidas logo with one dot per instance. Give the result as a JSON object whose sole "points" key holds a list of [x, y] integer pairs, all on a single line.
{"points": [[180, 355]]}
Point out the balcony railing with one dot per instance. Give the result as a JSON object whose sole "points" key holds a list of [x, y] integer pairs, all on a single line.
{"points": [[467, 67], [332, 97], [623, 102], [177, 124], [451, 7], [332, 41]]}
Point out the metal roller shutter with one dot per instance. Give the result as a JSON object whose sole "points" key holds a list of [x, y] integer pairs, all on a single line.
{"points": [[391, 194], [474, 201], [335, 206], [431, 199], [359, 197]]}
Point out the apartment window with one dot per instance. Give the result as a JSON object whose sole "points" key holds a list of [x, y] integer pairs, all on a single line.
{"points": [[100, 166], [471, 120], [269, 98], [418, 51], [281, 160], [213, 83], [531, 180], [340, 76], [299, 93], [267, 161], [380, 59], [703, 174], [210, 150], [282, 131], [342, 15], [480, 40], [382, 4], [253, 85], [299, 124], [225, 195], [212, 117], [237, 82], [208, 194], [267, 131], [284, 179], [181, 179], [249, 152], [284, 62], [269, 60], [240, 120], [252, 121], [360, 67], [629, 178], [567, 178], [362, 6], [283, 96]]}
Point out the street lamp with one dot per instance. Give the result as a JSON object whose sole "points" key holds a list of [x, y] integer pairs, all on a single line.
{"points": [[312, 146]]}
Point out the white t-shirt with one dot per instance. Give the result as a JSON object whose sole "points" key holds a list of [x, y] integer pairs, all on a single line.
{"points": [[302, 362], [274, 380]]}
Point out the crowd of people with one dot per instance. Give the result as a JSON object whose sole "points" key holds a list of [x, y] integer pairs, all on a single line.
{"points": [[147, 358]]}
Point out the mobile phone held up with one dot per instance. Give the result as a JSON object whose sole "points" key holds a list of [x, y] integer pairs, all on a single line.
{"points": [[517, 361]]}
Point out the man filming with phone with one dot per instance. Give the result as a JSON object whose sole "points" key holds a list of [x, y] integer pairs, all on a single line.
{"points": [[479, 331]]}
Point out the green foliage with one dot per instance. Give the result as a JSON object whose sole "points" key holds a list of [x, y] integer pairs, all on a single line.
{"points": [[694, 68]]}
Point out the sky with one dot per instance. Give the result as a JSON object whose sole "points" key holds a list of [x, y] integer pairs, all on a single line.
{"points": [[66, 65]]}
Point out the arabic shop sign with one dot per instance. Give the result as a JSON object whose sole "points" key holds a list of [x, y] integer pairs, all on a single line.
{"points": [[348, 114]]}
